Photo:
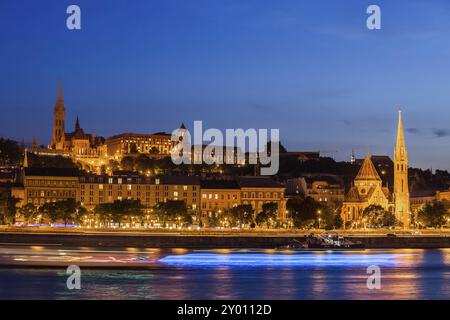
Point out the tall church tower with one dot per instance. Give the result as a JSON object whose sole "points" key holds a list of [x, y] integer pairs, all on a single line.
{"points": [[59, 119], [401, 192]]}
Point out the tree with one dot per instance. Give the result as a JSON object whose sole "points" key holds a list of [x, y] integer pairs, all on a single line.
{"points": [[173, 210], [303, 211], [121, 209], [42, 161], [132, 209], [268, 215], [104, 212], [338, 222], [144, 163], [242, 214], [388, 219], [49, 211], [8, 209], [114, 165], [29, 212], [213, 220], [127, 163], [432, 214], [10, 152], [328, 217], [377, 216], [68, 211]]}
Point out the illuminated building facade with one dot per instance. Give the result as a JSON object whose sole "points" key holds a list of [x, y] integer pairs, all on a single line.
{"points": [[367, 188], [219, 196], [158, 144], [41, 185]]}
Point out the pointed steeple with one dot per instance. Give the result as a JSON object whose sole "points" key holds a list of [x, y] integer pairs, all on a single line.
{"points": [[400, 152], [59, 105], [401, 186], [77, 124], [182, 126], [367, 170], [25, 159], [60, 94], [34, 144], [59, 120]]}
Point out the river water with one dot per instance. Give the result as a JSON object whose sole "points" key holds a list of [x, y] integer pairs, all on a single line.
{"points": [[223, 274]]}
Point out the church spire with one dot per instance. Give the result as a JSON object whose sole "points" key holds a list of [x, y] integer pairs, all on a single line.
{"points": [[77, 124], [400, 144], [34, 144], [59, 119], [401, 190], [60, 94], [25, 159]]}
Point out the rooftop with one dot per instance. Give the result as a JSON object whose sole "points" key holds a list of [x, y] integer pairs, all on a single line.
{"points": [[52, 172]]}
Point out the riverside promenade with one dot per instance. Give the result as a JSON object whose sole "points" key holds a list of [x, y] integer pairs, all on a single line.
{"points": [[159, 238]]}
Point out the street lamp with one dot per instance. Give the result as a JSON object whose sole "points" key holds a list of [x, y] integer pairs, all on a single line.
{"points": [[319, 212]]}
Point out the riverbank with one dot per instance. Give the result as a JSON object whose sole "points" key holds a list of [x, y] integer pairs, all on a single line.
{"points": [[206, 239]]}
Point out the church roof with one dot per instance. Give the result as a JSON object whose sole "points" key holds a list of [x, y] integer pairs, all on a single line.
{"points": [[353, 195], [367, 171]]}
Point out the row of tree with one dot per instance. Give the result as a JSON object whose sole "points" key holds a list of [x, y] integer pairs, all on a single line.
{"points": [[68, 211], [434, 214], [307, 213], [144, 163]]}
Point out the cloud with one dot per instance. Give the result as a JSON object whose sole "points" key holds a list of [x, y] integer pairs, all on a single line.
{"points": [[440, 133], [414, 130], [346, 122]]}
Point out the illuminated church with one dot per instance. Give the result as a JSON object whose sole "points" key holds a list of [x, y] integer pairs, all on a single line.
{"points": [[367, 188], [77, 143]]}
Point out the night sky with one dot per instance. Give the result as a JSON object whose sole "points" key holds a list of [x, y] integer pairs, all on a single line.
{"points": [[310, 68]]}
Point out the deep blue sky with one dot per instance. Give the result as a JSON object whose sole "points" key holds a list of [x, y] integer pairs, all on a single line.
{"points": [[310, 68]]}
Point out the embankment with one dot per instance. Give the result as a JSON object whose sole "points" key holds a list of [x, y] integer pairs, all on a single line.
{"points": [[193, 240]]}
